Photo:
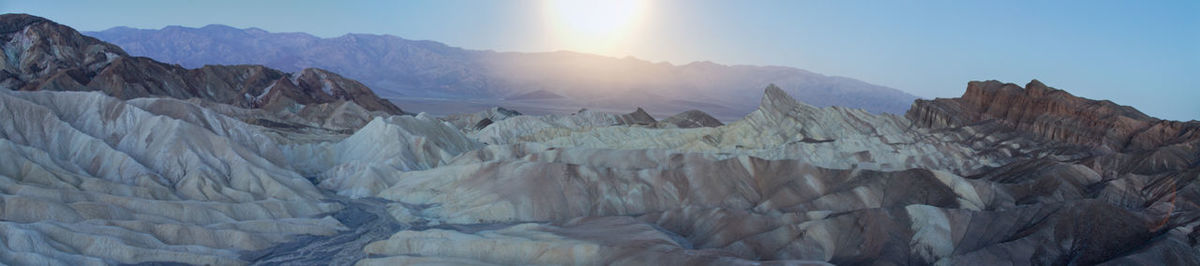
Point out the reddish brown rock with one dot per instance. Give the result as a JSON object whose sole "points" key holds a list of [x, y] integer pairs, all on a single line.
{"points": [[1140, 143], [50, 56]]}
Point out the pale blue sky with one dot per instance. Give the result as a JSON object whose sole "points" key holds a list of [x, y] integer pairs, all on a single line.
{"points": [[1140, 53]]}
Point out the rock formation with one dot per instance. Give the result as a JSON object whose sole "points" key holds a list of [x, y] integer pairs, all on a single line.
{"points": [[43, 55], [91, 179], [692, 119], [475, 121], [104, 164], [1116, 132], [1028, 199]]}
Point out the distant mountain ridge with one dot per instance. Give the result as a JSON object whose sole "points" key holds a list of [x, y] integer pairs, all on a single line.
{"points": [[395, 67]]}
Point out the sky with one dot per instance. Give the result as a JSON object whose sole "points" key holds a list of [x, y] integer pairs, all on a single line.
{"points": [[1145, 54]]}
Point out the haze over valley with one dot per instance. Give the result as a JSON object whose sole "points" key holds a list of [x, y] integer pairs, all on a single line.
{"points": [[416, 72]]}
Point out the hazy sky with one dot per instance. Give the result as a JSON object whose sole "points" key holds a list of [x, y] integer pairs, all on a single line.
{"points": [[1140, 53]]}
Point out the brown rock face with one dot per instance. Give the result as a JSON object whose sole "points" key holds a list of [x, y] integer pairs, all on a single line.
{"points": [[50, 56], [315, 81], [638, 117], [1050, 114], [40, 55], [1137, 163], [693, 119], [1053, 114]]}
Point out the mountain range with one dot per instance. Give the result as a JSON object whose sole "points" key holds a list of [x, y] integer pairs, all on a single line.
{"points": [[112, 159], [550, 82]]}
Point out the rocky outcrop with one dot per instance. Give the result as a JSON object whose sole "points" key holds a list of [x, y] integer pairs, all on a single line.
{"points": [[691, 119], [782, 128], [476, 121], [521, 128], [597, 182], [751, 208], [342, 88], [96, 180], [1055, 115], [638, 117], [43, 55], [370, 160], [40, 51]]}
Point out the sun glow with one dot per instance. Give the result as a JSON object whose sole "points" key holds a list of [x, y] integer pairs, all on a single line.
{"points": [[601, 26]]}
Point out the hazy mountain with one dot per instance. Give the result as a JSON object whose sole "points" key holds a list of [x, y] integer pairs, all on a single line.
{"points": [[395, 67]]}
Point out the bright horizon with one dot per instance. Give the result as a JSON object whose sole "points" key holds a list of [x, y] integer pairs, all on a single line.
{"points": [[1142, 55]]}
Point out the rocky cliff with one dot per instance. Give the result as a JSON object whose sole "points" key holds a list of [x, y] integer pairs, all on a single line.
{"points": [[1142, 143]]}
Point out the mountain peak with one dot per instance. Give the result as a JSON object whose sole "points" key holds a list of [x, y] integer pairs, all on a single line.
{"points": [[1035, 83], [639, 117], [775, 98], [37, 48], [10, 23], [217, 26], [693, 119], [1037, 88]]}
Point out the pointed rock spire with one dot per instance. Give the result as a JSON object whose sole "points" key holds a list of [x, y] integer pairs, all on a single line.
{"points": [[775, 100], [692, 119], [1037, 88], [1035, 84], [15, 22], [639, 117]]}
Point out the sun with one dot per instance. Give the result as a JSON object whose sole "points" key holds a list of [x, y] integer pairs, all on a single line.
{"points": [[593, 25]]}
